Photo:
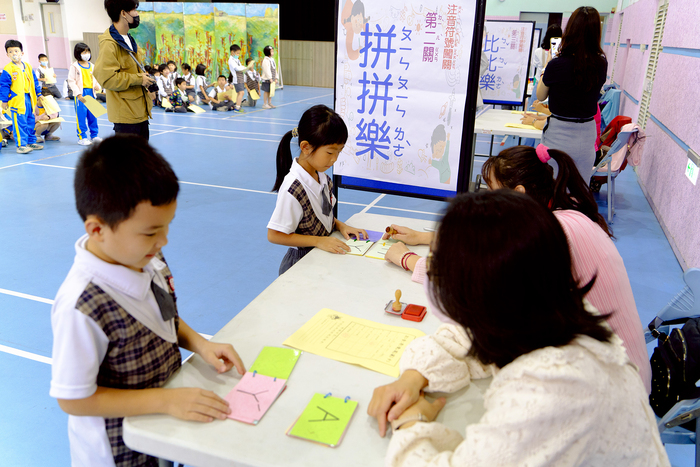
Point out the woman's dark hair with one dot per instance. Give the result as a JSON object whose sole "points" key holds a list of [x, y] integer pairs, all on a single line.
{"points": [[520, 165], [508, 281], [113, 177], [552, 31], [319, 126], [80, 47], [267, 50], [199, 71], [581, 40], [115, 7]]}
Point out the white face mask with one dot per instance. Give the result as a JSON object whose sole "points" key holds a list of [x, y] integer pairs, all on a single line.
{"points": [[85, 57]]}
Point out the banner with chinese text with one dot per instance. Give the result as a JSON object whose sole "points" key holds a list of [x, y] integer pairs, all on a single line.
{"points": [[508, 48], [401, 87]]}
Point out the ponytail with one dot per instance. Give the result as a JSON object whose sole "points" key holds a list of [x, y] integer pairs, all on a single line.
{"points": [[571, 191], [284, 160], [319, 126], [520, 165]]}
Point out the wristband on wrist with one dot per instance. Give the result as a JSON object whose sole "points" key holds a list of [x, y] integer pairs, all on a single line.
{"points": [[404, 259], [396, 424]]}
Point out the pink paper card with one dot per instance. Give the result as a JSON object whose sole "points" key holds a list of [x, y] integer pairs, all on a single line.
{"points": [[253, 395]]}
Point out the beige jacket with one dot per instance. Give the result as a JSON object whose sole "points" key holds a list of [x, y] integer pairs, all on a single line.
{"points": [[117, 72]]}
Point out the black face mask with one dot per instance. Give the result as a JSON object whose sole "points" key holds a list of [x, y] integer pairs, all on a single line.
{"points": [[135, 23]]}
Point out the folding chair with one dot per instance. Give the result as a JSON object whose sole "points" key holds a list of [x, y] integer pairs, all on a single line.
{"points": [[684, 305], [614, 162]]}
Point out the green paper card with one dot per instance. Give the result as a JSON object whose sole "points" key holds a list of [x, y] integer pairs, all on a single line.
{"points": [[324, 420], [276, 362]]}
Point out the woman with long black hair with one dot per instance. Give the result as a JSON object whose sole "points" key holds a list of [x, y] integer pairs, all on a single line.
{"points": [[572, 82], [541, 54]]}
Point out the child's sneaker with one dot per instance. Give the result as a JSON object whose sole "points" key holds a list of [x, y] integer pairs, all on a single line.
{"points": [[24, 150], [52, 138], [39, 139], [238, 109], [84, 142], [96, 140], [266, 106], [35, 146]]}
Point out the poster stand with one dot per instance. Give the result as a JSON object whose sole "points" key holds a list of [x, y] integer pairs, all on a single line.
{"points": [[466, 142]]}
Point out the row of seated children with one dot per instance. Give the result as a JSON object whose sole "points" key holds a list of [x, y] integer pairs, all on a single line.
{"points": [[196, 89]]}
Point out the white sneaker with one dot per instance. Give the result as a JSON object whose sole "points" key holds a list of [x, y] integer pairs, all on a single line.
{"points": [[266, 106], [96, 140], [84, 142]]}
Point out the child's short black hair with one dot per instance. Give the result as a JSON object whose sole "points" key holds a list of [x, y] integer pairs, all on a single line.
{"points": [[115, 7], [248, 60], [267, 50], [113, 177], [221, 76], [162, 67], [179, 81], [41, 55], [13, 43], [186, 67], [170, 62], [234, 48], [80, 47], [199, 71]]}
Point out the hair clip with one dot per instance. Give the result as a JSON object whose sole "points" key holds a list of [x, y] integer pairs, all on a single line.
{"points": [[327, 395], [295, 133]]}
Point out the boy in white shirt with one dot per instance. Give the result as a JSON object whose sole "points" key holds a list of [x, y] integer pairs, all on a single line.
{"points": [[164, 82], [115, 323], [47, 78], [237, 75], [226, 104]]}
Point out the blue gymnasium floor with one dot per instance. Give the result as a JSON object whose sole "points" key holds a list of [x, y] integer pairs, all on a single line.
{"points": [[218, 247]]}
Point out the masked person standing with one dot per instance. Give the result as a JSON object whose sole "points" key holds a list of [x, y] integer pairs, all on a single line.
{"points": [[120, 74]]}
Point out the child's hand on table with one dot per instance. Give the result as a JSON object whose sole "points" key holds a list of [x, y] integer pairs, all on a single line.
{"points": [[223, 357], [346, 231], [195, 404], [389, 402], [332, 245]]}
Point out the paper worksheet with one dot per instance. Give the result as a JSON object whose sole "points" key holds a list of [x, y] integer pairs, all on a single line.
{"points": [[520, 125], [52, 120], [272, 89], [222, 96], [345, 338], [196, 109], [254, 94], [50, 105], [49, 76], [94, 107]]}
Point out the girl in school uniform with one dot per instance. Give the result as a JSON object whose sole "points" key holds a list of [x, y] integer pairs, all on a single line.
{"points": [[303, 217], [269, 76], [82, 83], [200, 84]]}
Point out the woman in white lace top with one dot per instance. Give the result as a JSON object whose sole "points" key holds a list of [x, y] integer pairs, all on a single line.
{"points": [[564, 392]]}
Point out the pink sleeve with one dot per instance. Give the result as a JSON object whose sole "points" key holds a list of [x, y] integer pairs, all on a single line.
{"points": [[594, 253], [420, 271]]}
